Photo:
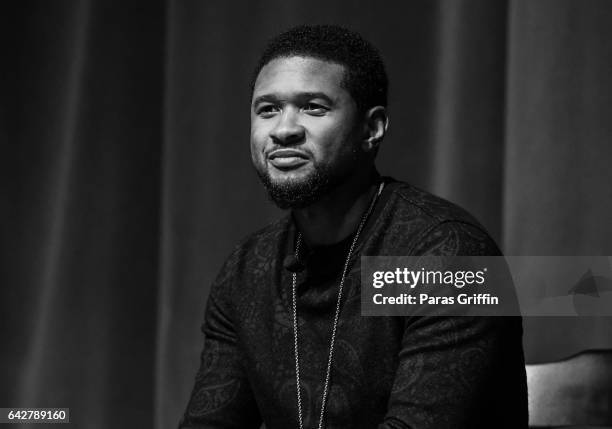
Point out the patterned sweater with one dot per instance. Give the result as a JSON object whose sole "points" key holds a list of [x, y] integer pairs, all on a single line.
{"points": [[387, 372]]}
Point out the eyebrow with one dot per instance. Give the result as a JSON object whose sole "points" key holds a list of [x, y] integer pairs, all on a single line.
{"points": [[273, 98]]}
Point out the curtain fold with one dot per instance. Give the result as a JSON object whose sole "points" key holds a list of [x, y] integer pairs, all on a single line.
{"points": [[558, 199], [80, 203]]}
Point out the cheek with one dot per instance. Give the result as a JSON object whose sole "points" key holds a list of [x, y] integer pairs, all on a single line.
{"points": [[258, 141], [334, 138], [324, 131], [339, 150], [258, 138]]}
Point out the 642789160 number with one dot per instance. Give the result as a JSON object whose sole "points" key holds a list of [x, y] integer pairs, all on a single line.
{"points": [[34, 415]]}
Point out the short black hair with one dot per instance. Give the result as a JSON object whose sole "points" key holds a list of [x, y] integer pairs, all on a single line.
{"points": [[365, 76]]}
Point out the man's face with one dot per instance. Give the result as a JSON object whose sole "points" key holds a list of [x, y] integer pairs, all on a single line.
{"points": [[304, 129]]}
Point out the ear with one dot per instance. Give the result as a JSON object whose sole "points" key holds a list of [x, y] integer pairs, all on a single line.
{"points": [[376, 123]]}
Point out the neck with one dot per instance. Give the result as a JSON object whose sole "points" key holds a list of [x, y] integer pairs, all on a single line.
{"points": [[338, 214]]}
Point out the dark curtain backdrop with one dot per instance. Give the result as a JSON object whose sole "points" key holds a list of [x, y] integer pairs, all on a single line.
{"points": [[126, 174]]}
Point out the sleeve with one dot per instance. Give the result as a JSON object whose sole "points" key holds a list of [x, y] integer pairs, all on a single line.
{"points": [[459, 372], [222, 396]]}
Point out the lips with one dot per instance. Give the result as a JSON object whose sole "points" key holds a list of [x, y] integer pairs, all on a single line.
{"points": [[285, 159]]}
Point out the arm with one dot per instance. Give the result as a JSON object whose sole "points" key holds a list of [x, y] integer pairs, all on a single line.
{"points": [[221, 397], [459, 372]]}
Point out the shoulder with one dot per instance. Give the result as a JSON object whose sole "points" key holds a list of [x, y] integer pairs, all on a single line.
{"points": [[245, 269], [256, 250], [429, 224], [429, 206]]}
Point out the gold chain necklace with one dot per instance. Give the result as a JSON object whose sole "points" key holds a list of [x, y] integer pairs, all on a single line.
{"points": [[336, 315]]}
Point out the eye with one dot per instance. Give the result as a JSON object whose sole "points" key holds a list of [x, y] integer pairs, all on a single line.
{"points": [[315, 109], [267, 110]]}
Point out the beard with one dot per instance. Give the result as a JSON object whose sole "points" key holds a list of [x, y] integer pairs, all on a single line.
{"points": [[302, 192]]}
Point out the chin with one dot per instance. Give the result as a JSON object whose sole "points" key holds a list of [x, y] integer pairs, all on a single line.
{"points": [[282, 177], [293, 190]]}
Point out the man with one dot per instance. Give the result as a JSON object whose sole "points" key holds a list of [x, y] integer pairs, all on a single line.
{"points": [[285, 309]]}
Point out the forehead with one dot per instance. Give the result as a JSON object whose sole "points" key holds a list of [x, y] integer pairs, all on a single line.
{"points": [[300, 74]]}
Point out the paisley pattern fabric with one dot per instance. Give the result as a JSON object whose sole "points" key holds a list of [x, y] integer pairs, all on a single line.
{"points": [[387, 372]]}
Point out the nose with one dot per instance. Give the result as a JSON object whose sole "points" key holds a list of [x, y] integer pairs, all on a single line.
{"points": [[288, 130]]}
